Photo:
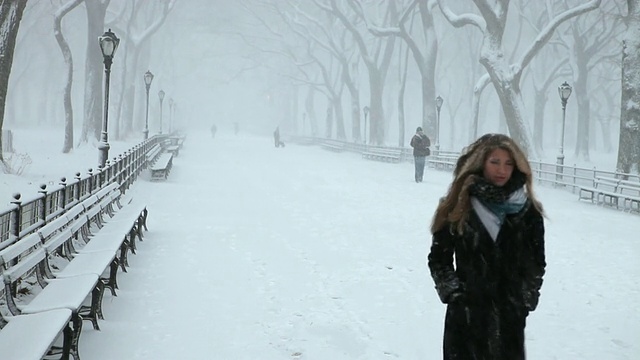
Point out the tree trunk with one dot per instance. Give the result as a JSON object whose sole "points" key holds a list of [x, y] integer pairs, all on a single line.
{"points": [[309, 105], [328, 120], [376, 113], [508, 89], [93, 94], [428, 69], [10, 16], [477, 94], [539, 101], [629, 145], [584, 114], [68, 59], [337, 109], [354, 93]]}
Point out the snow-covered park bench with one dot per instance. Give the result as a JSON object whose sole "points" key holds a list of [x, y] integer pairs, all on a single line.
{"points": [[24, 263], [443, 162], [58, 274], [171, 146], [153, 153], [612, 192], [162, 167], [333, 145], [383, 154]]}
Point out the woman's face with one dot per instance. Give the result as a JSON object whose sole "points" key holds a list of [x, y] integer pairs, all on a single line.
{"points": [[498, 167]]}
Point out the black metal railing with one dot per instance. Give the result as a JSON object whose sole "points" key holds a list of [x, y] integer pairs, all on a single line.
{"points": [[25, 215]]}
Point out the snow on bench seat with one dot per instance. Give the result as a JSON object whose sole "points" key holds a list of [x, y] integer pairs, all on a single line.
{"points": [[19, 341]]}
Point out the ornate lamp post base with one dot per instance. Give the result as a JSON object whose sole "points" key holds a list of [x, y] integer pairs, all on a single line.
{"points": [[103, 148]]}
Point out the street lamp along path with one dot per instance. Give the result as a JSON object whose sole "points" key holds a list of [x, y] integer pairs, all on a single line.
{"points": [[108, 45], [161, 97], [439, 101], [148, 78], [365, 110], [564, 91]]}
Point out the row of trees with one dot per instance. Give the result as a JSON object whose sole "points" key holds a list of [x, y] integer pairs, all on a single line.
{"points": [[382, 53], [134, 22], [519, 47]]}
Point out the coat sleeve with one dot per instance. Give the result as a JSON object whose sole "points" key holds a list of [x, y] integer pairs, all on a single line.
{"points": [[440, 261], [536, 265], [413, 142]]}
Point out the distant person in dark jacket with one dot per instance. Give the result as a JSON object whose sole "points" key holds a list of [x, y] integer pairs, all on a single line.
{"points": [[487, 255], [276, 138], [214, 129], [420, 144]]}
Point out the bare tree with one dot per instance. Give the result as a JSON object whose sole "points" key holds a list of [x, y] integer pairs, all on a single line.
{"points": [[629, 145], [333, 78], [91, 124], [590, 39], [145, 19], [504, 76], [10, 16], [424, 56], [68, 59], [336, 43], [377, 66], [304, 66]]}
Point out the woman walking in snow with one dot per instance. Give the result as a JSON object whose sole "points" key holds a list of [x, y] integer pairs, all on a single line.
{"points": [[492, 224]]}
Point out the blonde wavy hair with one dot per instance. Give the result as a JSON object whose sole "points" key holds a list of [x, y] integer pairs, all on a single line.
{"points": [[454, 208]]}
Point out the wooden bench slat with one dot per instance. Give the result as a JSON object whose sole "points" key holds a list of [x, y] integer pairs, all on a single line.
{"points": [[23, 266], [20, 247]]}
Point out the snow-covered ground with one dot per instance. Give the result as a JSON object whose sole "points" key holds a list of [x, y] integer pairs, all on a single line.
{"points": [[255, 252]]}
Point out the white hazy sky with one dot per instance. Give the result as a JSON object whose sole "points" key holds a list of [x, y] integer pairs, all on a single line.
{"points": [[255, 252]]}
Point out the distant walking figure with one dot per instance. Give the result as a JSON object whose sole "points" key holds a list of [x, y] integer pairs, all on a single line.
{"points": [[276, 138], [214, 129], [420, 144]]}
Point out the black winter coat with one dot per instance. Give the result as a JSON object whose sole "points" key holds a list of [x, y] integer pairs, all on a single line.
{"points": [[420, 145], [493, 286]]}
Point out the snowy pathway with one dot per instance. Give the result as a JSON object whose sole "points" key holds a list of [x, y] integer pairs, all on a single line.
{"points": [[255, 252]]}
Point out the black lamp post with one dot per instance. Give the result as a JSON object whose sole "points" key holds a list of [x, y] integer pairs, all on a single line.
{"points": [[148, 78], [365, 110], [170, 113], [161, 97], [439, 101], [564, 91], [108, 45]]}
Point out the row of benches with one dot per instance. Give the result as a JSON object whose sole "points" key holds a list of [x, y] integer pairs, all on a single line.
{"points": [[160, 159], [619, 193], [55, 277], [333, 145], [383, 154]]}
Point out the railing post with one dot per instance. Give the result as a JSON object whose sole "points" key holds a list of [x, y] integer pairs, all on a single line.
{"points": [[559, 171], [113, 170], [63, 196], [43, 203], [90, 180], [16, 224], [76, 190]]}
